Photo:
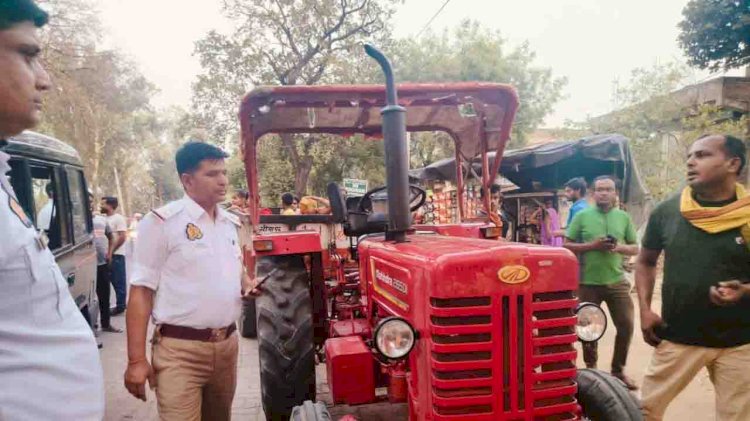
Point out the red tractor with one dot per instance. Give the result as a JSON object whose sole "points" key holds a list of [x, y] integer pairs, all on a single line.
{"points": [[459, 326]]}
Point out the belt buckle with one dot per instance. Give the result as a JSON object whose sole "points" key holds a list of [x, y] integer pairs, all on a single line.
{"points": [[217, 335]]}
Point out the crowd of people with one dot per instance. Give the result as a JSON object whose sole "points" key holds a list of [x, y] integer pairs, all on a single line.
{"points": [[188, 280], [703, 233]]}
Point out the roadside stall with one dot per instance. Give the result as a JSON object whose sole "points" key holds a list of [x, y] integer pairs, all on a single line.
{"points": [[537, 173]]}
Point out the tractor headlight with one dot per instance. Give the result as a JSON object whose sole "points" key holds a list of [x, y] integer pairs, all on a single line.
{"points": [[592, 322], [394, 338]]}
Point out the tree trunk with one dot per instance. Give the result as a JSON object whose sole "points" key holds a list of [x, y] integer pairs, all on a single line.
{"points": [[302, 175], [302, 164]]}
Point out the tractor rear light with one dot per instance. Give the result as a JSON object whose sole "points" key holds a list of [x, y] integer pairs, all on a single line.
{"points": [[394, 338], [492, 232], [592, 322], [262, 245]]}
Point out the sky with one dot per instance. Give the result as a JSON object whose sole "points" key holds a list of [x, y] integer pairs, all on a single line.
{"points": [[593, 43]]}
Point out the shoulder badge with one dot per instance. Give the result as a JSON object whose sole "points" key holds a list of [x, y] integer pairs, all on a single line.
{"points": [[193, 232], [157, 214], [169, 210], [16, 208]]}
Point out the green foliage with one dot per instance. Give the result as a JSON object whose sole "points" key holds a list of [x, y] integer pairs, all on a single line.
{"points": [[100, 104], [337, 158], [285, 42], [473, 53], [275, 170], [309, 42], [715, 34], [428, 147], [333, 159], [661, 127]]}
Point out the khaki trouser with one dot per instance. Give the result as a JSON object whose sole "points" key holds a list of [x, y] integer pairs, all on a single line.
{"points": [[674, 365], [620, 305], [195, 380]]}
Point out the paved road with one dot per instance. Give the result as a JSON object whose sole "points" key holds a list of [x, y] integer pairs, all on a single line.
{"points": [[696, 403]]}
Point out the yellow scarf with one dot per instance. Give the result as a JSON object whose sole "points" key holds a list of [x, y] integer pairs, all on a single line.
{"points": [[713, 220]]}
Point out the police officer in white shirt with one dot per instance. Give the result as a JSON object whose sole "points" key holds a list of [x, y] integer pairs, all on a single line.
{"points": [[49, 362], [188, 278]]}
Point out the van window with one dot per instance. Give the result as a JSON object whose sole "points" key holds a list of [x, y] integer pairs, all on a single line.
{"points": [[47, 193], [79, 205]]}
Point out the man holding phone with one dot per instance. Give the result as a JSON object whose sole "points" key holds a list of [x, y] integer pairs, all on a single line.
{"points": [[704, 232], [600, 236]]}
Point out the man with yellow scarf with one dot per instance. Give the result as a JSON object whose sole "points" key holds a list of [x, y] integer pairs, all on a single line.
{"points": [[704, 233]]}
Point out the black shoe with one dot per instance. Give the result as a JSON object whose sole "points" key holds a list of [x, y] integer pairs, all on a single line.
{"points": [[116, 311], [111, 329]]}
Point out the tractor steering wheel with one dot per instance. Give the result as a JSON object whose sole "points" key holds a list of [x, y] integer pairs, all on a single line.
{"points": [[416, 194]]}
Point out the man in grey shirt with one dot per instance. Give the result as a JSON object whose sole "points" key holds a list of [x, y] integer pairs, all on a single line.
{"points": [[102, 241]]}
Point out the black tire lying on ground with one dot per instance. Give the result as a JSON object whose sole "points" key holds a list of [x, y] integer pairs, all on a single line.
{"points": [[309, 411], [285, 336], [605, 398], [248, 324]]}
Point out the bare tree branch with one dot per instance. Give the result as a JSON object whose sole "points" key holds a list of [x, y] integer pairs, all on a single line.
{"points": [[285, 27]]}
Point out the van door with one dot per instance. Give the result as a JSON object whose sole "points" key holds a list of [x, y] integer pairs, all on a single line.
{"points": [[40, 187], [82, 278]]}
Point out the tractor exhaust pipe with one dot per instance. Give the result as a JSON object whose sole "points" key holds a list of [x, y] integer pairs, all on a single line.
{"points": [[396, 153]]}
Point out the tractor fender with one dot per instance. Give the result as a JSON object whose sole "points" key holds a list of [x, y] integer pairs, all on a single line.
{"points": [[290, 242]]}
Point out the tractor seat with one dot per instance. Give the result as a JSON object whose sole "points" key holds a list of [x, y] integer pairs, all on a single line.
{"points": [[355, 222]]}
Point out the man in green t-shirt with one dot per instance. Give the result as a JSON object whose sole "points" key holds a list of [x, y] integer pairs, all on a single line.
{"points": [[705, 292], [600, 236]]}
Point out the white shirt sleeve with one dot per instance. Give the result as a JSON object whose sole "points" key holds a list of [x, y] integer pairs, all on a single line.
{"points": [[150, 253], [117, 223]]}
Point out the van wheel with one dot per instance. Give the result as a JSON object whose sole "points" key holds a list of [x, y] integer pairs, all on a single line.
{"points": [[309, 411], [605, 398]]}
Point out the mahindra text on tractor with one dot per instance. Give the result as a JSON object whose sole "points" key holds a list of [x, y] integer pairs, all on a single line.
{"points": [[448, 319]]}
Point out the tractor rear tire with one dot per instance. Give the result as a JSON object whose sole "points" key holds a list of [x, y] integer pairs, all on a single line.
{"points": [[605, 398], [248, 326], [285, 336], [309, 411]]}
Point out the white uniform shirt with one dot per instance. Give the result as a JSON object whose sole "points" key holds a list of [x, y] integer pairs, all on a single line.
{"points": [[117, 223], [49, 363], [193, 264], [44, 217]]}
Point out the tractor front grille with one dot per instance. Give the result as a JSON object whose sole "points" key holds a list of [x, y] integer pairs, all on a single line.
{"points": [[479, 350]]}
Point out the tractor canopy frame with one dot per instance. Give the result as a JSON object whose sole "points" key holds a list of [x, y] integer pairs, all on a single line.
{"points": [[477, 116]]}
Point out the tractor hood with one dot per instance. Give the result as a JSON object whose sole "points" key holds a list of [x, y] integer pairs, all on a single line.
{"points": [[467, 111]]}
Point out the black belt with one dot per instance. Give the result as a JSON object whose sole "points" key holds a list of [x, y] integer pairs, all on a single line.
{"points": [[192, 334]]}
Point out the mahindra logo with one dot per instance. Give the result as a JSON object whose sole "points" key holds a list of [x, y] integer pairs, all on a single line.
{"points": [[515, 274]]}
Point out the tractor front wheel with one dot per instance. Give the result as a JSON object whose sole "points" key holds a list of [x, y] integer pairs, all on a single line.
{"points": [[605, 398], [285, 336]]}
